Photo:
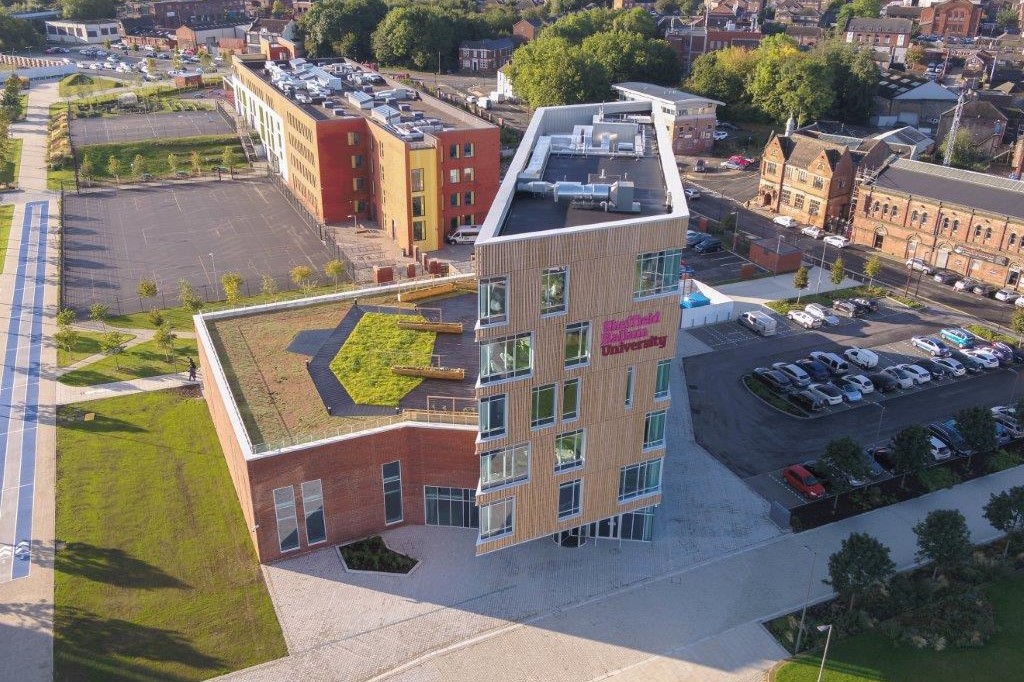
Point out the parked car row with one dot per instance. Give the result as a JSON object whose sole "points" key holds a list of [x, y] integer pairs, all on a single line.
{"points": [[702, 242], [815, 315], [966, 284]]}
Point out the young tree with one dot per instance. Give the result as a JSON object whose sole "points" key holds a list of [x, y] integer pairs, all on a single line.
{"points": [[65, 317], [227, 157], [66, 338], [196, 162], [164, 339], [861, 565], [176, 61], [205, 61], [978, 428], [86, 169], [872, 266], [138, 166], [151, 65], [964, 155], [231, 282], [911, 449], [334, 269], [112, 343], [172, 163], [914, 55], [5, 135], [11, 101], [837, 274], [1005, 511], [114, 168], [277, 9], [843, 458], [944, 539], [98, 313], [800, 282], [188, 296], [302, 277], [147, 288], [1017, 323]]}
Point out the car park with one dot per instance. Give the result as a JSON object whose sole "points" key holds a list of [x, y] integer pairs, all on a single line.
{"points": [[862, 357], [1003, 435], [883, 383], [709, 245], [946, 277], [801, 480], [920, 375], [822, 313], [700, 166], [810, 401], [837, 241], [1011, 425], [859, 382], [694, 238], [785, 221], [1002, 351], [874, 469], [1009, 411], [773, 379], [730, 165], [988, 359], [817, 371], [982, 289], [882, 456], [930, 345], [835, 364], [796, 376], [1006, 295], [866, 305], [965, 284], [968, 362], [851, 392], [904, 379], [804, 319], [961, 338], [919, 265], [937, 371], [812, 232], [948, 433], [845, 308], [758, 322], [829, 393]]}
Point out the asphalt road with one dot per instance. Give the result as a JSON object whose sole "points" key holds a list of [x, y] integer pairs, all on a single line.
{"points": [[894, 274]]}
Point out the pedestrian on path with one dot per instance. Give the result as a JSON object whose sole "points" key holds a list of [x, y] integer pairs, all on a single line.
{"points": [[191, 369]]}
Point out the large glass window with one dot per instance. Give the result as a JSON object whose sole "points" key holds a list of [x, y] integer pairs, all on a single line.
{"points": [[639, 479], [497, 519], [577, 344], [569, 499], [491, 300], [287, 525], [313, 509], [570, 399], [501, 467], [661, 379], [392, 474], [506, 358], [554, 291], [654, 430], [657, 273], [493, 414], [569, 450], [542, 412], [451, 507], [637, 524], [416, 179]]}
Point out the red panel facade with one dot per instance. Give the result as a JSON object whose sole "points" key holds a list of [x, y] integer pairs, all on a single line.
{"points": [[336, 172], [486, 165]]}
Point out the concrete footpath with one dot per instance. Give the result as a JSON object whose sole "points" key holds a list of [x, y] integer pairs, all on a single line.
{"points": [[74, 394]]}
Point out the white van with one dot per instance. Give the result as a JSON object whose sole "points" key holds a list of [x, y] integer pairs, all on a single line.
{"points": [[466, 234], [760, 323]]}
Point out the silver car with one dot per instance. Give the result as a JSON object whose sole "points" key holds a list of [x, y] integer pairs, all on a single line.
{"points": [[904, 379], [822, 313]]}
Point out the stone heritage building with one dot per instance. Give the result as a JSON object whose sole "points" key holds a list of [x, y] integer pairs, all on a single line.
{"points": [[966, 222]]}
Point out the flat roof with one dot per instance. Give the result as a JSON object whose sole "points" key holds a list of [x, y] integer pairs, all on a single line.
{"points": [[663, 93]]}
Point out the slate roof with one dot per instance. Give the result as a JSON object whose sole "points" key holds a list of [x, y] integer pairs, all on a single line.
{"points": [[985, 111], [872, 25], [489, 44], [802, 150], [989, 193]]}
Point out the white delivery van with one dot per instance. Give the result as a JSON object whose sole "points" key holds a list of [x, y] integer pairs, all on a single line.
{"points": [[758, 322], [466, 234]]}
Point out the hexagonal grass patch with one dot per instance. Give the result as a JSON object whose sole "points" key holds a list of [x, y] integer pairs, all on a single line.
{"points": [[363, 365]]}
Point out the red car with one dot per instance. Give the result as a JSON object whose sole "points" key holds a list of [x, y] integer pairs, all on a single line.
{"points": [[741, 161], [800, 479]]}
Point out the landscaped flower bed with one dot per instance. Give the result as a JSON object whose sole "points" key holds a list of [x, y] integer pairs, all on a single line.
{"points": [[372, 554]]}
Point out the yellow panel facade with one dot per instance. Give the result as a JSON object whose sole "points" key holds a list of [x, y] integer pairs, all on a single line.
{"points": [[423, 168]]}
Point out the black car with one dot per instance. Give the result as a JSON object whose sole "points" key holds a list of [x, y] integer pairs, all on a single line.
{"points": [[948, 434], [816, 370], [1018, 355], [937, 371], [946, 277], [883, 457], [883, 382], [875, 470], [696, 238], [971, 364], [867, 305], [710, 245], [773, 379], [809, 401]]}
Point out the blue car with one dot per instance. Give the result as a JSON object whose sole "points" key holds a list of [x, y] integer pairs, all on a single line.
{"points": [[961, 338], [851, 393]]}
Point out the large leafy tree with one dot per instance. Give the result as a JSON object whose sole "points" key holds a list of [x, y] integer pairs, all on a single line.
{"points": [[1005, 511], [576, 27], [861, 564], [858, 8], [978, 428], [88, 9], [944, 539], [551, 71], [635, 20], [911, 449], [342, 27], [723, 75], [17, 34], [416, 36], [854, 77], [631, 57]]}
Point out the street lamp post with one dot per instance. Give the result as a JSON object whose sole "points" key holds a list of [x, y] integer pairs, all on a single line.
{"points": [[817, 289], [213, 264], [878, 433], [824, 654], [807, 598]]}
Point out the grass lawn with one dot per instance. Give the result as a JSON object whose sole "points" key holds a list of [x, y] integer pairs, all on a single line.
{"points": [[6, 216], [10, 167], [158, 579], [84, 84], [154, 154], [363, 365], [143, 360], [871, 656], [88, 343]]}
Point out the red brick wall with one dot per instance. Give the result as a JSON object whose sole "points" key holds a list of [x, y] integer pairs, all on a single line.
{"points": [[336, 172], [350, 473], [485, 162]]}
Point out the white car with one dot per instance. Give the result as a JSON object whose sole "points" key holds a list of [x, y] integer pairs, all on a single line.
{"points": [[860, 382], [804, 319], [785, 221], [987, 359], [1006, 295], [827, 392], [720, 135], [955, 367], [919, 374], [837, 241], [940, 450], [812, 232], [1008, 411], [920, 265], [862, 357], [729, 165], [904, 379], [820, 312]]}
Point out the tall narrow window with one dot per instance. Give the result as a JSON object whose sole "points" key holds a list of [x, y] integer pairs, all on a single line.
{"points": [[313, 509], [577, 344], [661, 379], [417, 207], [543, 409], [570, 399], [569, 499], [287, 524], [569, 450], [491, 300], [492, 413], [654, 430], [392, 474], [630, 381], [467, 149], [416, 179], [554, 294]]}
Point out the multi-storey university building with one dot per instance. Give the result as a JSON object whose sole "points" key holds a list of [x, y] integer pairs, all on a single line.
{"points": [[558, 428], [352, 145], [969, 223], [689, 119]]}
